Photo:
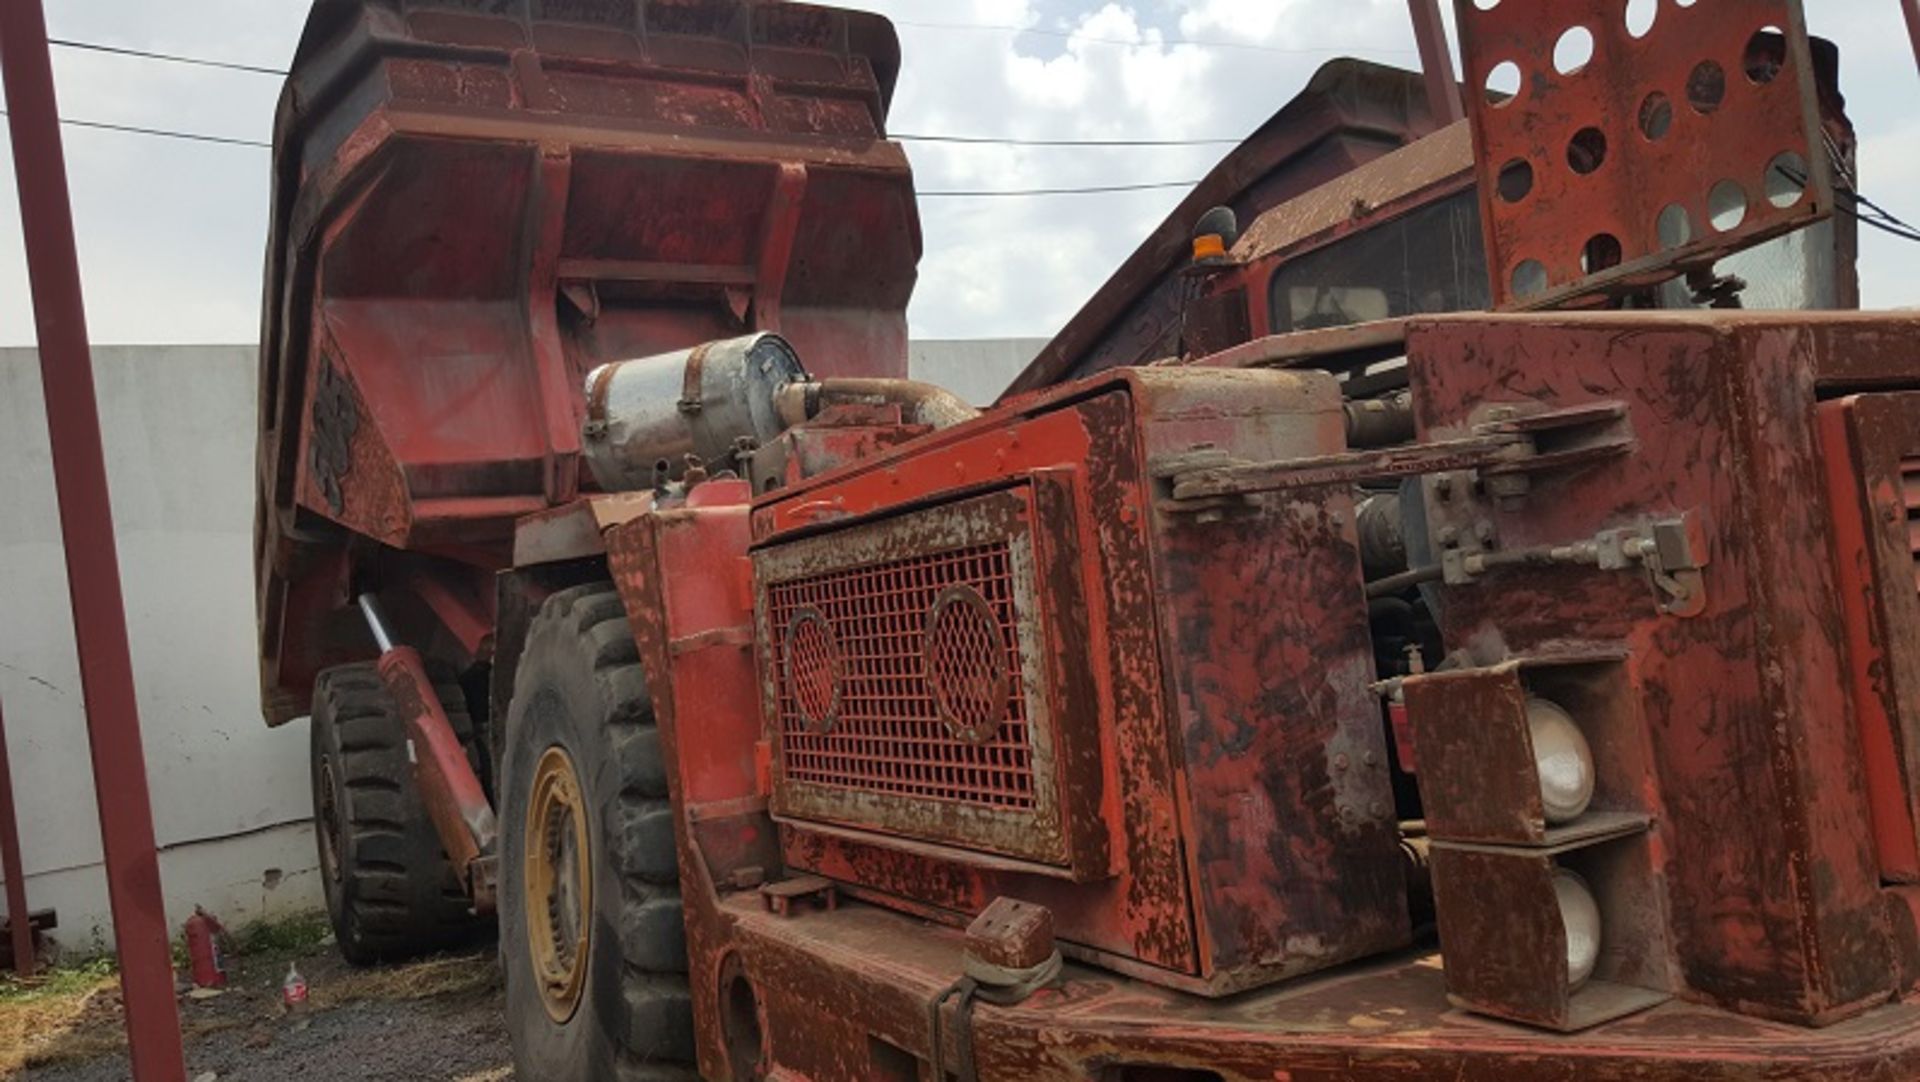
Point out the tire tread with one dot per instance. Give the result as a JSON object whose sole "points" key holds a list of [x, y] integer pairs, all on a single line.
{"points": [[391, 902], [654, 1035]]}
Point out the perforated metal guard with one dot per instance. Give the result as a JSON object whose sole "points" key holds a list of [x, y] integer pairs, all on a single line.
{"points": [[941, 727], [810, 661], [969, 669], [1675, 142], [923, 667]]}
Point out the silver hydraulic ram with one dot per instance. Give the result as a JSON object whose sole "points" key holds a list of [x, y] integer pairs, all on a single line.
{"points": [[447, 783]]}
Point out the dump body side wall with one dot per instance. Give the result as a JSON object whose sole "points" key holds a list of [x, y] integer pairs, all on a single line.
{"points": [[473, 209]]}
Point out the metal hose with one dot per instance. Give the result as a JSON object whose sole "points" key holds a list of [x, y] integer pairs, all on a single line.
{"points": [[920, 403]]}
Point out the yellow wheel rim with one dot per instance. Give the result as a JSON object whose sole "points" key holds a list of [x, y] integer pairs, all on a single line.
{"points": [[559, 884]]}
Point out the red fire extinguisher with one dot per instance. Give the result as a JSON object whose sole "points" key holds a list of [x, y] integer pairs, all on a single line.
{"points": [[203, 949]]}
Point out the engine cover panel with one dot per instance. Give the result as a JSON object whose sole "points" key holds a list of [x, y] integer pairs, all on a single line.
{"points": [[1196, 685], [908, 682]]}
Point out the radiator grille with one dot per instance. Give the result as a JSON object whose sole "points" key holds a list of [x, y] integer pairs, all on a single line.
{"points": [[929, 701], [1910, 485]]}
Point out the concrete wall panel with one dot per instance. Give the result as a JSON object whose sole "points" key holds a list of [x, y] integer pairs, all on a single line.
{"points": [[231, 798]]}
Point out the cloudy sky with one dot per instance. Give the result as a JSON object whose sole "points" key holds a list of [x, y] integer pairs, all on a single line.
{"points": [[171, 233]]}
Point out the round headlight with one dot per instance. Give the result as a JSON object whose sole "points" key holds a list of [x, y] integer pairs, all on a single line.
{"points": [[1580, 915], [1563, 759]]}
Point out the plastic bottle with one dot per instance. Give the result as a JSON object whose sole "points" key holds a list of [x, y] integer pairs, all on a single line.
{"points": [[293, 990]]}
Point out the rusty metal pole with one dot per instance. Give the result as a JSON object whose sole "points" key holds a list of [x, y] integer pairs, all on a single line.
{"points": [[1436, 61], [19, 918], [93, 567], [1912, 10]]}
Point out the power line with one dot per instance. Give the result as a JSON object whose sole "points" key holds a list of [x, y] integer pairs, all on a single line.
{"points": [[1102, 189], [905, 137], [1849, 203], [992, 28], [164, 133], [1884, 226], [1204, 43], [982, 193], [914, 137], [202, 62], [1883, 214]]}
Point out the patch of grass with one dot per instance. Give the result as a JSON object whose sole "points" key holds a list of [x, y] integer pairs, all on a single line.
{"points": [[73, 1014], [446, 977], [51, 1006], [63, 983], [291, 937]]}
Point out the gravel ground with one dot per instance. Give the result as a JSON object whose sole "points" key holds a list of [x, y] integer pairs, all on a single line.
{"points": [[439, 1021]]}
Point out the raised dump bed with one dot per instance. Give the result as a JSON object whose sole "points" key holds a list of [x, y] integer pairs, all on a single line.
{"points": [[478, 201]]}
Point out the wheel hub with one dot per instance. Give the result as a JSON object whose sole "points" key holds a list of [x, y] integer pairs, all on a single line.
{"points": [[559, 884]]}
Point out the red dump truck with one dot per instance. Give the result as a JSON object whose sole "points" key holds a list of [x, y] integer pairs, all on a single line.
{"points": [[1411, 624]]}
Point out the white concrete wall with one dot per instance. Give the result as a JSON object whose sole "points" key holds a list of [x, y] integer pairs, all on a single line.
{"points": [[975, 369], [228, 793], [230, 796]]}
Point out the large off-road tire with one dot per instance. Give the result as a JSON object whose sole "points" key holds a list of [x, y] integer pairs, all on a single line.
{"points": [[592, 936], [391, 892]]}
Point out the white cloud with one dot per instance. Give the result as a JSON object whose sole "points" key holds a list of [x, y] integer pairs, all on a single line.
{"points": [[1235, 19], [171, 233], [1890, 174]]}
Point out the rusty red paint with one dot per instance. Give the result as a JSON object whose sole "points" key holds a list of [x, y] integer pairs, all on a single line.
{"points": [[1578, 168], [1119, 918], [676, 570], [1480, 782], [1209, 647], [1436, 61], [456, 242], [888, 758], [827, 1002], [1491, 838], [93, 570], [840, 435], [1257, 884], [1011, 934], [1911, 9], [1351, 113], [19, 921], [1880, 625], [447, 783], [1775, 913], [1775, 910], [466, 612]]}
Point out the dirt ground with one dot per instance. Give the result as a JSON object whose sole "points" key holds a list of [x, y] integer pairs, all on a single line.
{"points": [[432, 1021]]}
